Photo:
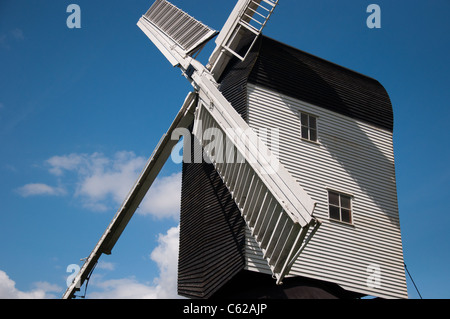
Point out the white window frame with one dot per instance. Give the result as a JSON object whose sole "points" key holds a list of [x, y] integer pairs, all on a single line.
{"points": [[309, 127], [350, 208]]}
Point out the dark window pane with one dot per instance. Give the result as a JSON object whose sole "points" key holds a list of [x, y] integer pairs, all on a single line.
{"points": [[345, 201], [333, 198], [334, 212], [312, 122], [313, 135], [305, 132], [304, 119], [346, 216]]}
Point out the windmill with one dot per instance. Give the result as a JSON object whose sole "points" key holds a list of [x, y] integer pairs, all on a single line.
{"points": [[269, 219]]}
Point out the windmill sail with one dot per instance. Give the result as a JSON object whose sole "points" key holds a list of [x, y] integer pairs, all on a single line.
{"points": [[184, 34], [247, 15], [188, 33], [275, 207]]}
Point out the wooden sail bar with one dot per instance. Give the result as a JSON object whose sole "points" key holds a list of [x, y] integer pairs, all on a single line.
{"points": [[148, 175], [251, 15]]}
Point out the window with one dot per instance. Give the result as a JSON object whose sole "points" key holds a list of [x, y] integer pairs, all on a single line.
{"points": [[340, 207], [308, 127]]}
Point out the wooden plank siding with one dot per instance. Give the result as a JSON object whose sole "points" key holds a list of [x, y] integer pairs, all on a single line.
{"points": [[352, 157], [211, 232]]}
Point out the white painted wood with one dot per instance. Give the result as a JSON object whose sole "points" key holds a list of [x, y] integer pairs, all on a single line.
{"points": [[184, 30], [352, 157], [275, 207], [107, 241], [161, 42], [250, 15], [295, 201]]}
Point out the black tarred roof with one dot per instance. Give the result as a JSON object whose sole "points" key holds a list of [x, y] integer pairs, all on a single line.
{"points": [[316, 81]]}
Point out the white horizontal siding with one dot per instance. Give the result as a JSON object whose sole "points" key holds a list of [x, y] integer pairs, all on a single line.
{"points": [[352, 157]]}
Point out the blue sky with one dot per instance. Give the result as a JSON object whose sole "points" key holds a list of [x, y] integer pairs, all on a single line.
{"points": [[81, 110]]}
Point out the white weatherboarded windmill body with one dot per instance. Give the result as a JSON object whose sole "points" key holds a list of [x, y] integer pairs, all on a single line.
{"points": [[277, 143]]}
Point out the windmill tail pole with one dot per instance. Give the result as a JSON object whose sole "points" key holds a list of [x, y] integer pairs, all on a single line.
{"points": [[159, 157]]}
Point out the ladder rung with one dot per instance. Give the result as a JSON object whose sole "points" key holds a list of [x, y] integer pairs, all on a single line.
{"points": [[239, 182], [233, 174], [261, 15], [246, 187], [271, 3], [265, 208], [259, 5], [256, 205], [283, 252], [283, 231], [268, 232], [255, 190], [234, 53], [275, 234], [253, 19], [241, 193], [260, 207], [226, 176], [249, 27], [263, 229], [250, 193]]}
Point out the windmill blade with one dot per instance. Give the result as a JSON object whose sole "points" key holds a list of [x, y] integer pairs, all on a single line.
{"points": [[248, 16], [275, 207], [188, 33], [277, 210], [172, 30], [176, 34], [159, 157]]}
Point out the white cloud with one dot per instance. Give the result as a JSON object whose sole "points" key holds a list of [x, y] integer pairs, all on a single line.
{"points": [[163, 287], [40, 189], [99, 183], [127, 288], [102, 183], [166, 257], [163, 198], [111, 178], [17, 34], [5, 38], [69, 162], [42, 290], [105, 265]]}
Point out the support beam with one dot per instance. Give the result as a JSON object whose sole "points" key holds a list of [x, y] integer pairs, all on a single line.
{"points": [[154, 165]]}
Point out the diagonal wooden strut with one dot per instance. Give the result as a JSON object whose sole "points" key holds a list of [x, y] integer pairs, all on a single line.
{"points": [[159, 157]]}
